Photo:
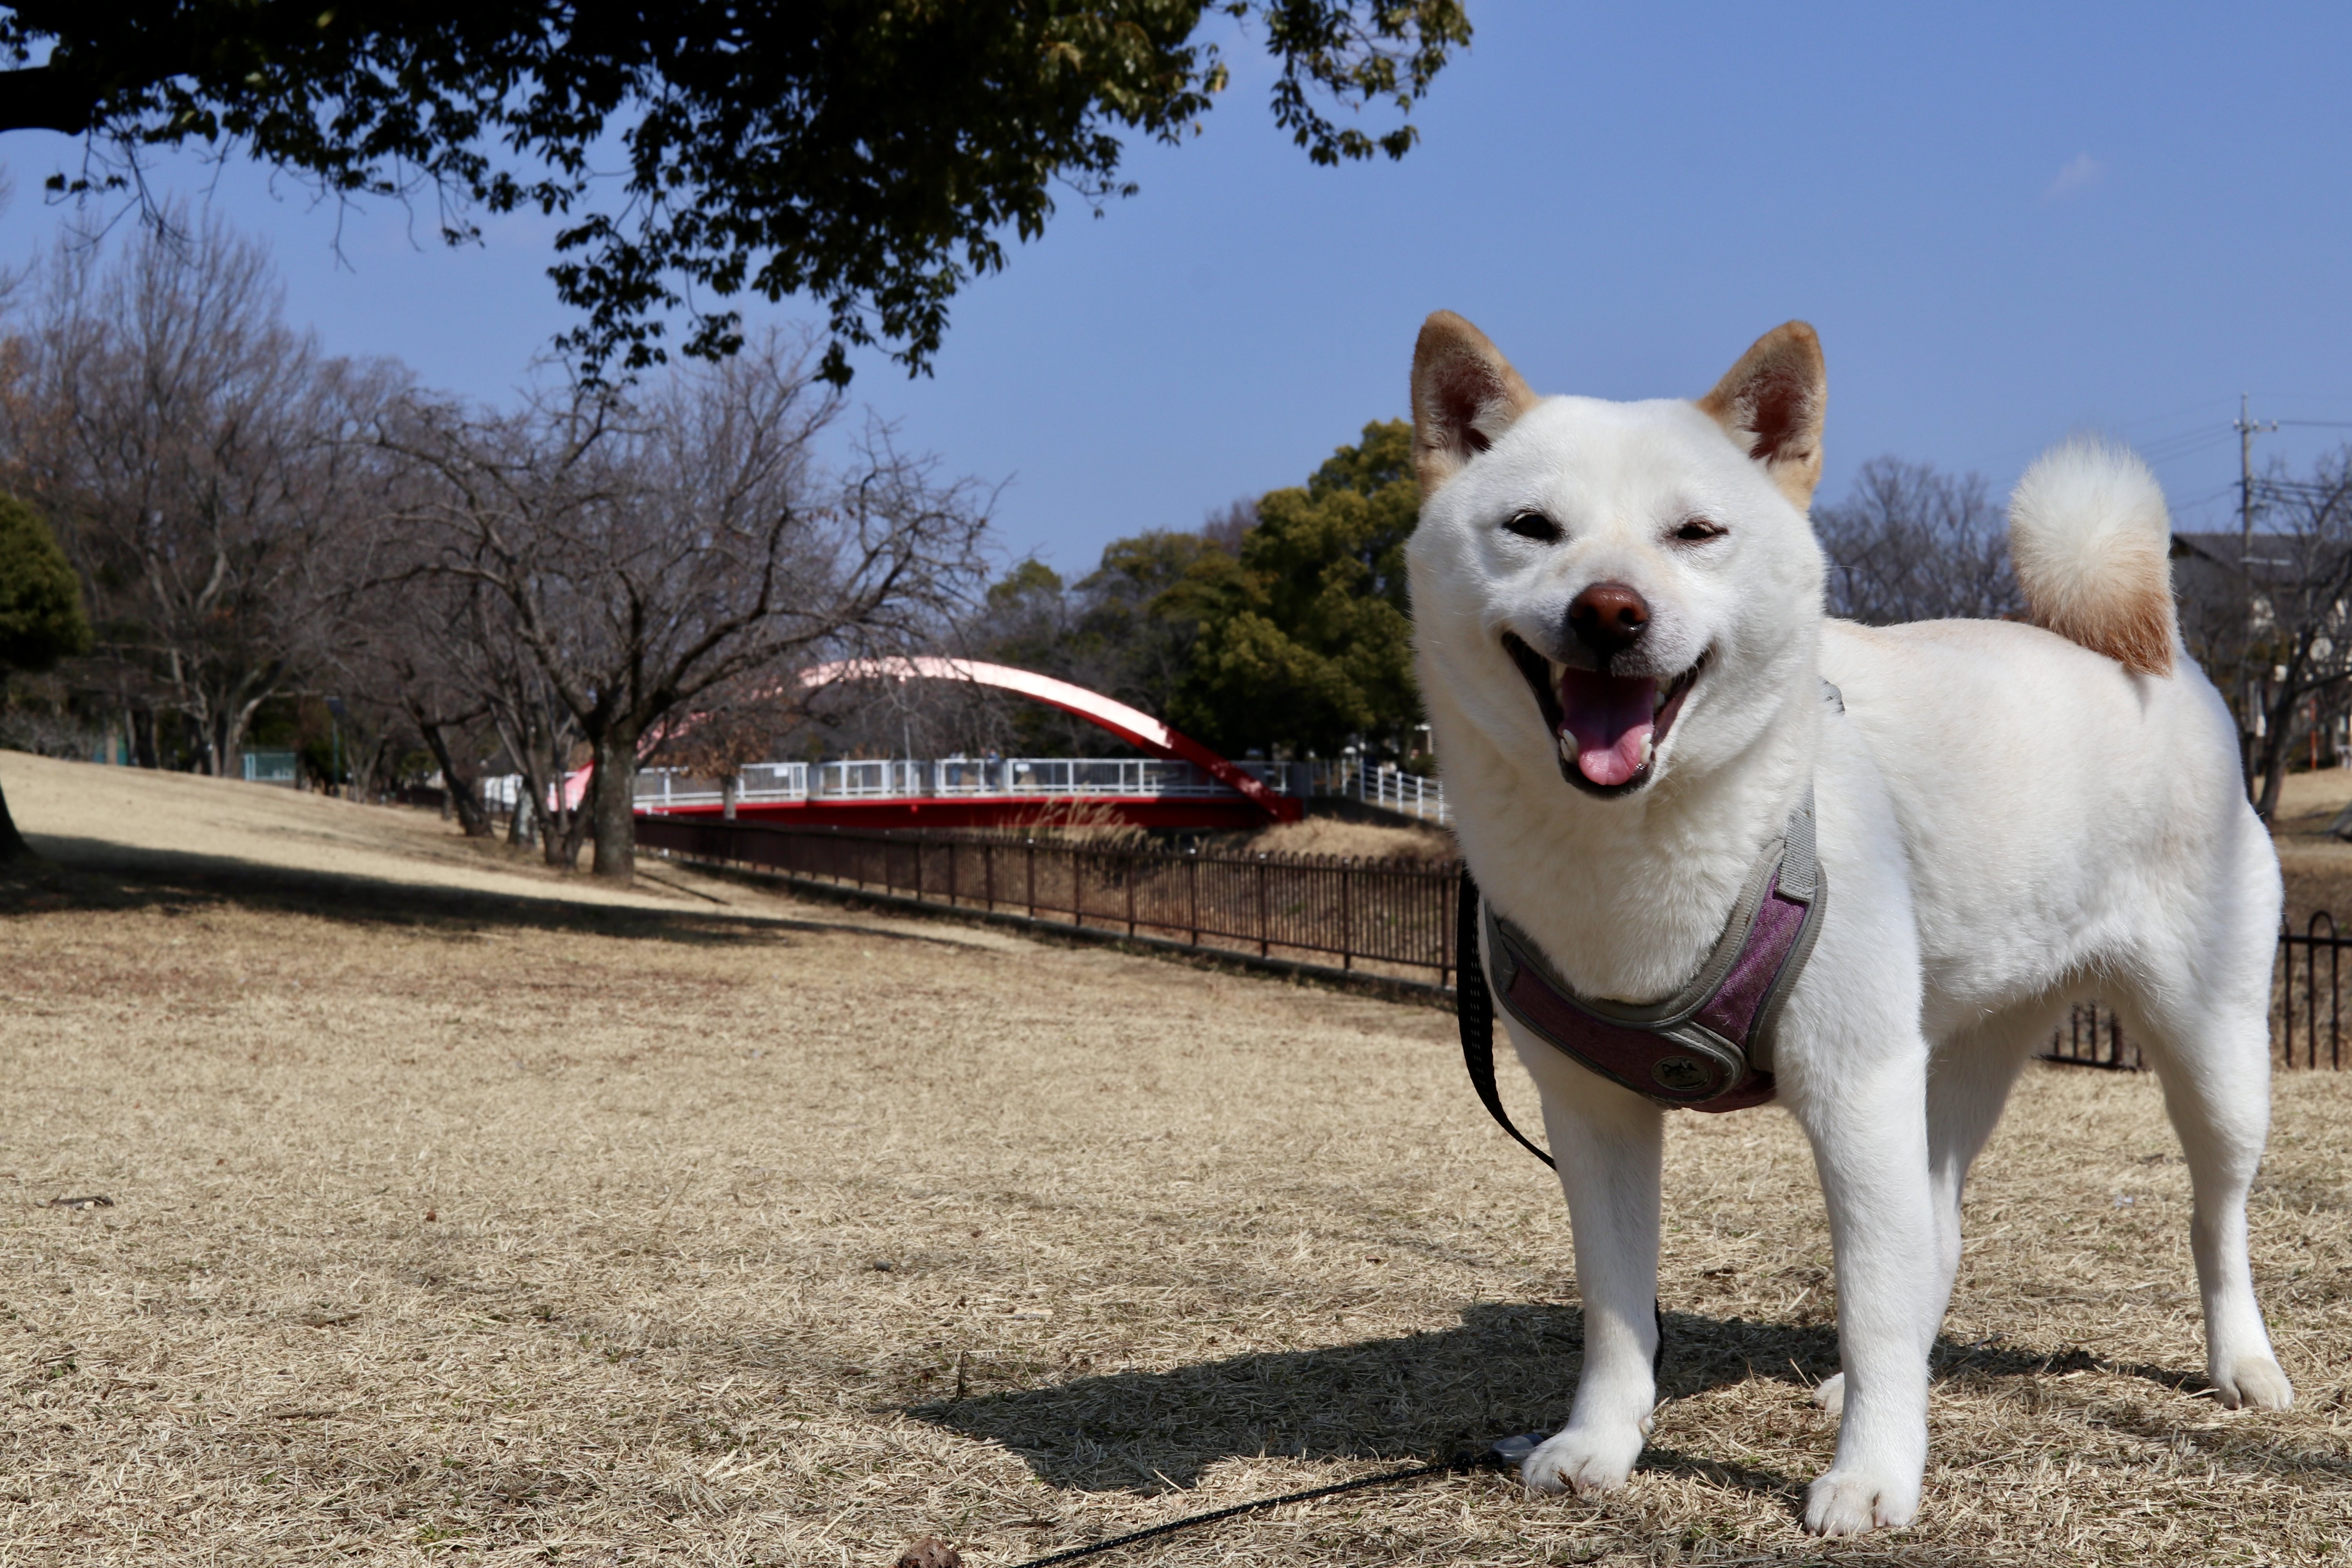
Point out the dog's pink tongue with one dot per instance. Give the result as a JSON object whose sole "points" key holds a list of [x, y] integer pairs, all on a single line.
{"points": [[1608, 720]]}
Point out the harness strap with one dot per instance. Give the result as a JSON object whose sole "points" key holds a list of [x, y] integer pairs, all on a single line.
{"points": [[1709, 1046], [1474, 1005]]}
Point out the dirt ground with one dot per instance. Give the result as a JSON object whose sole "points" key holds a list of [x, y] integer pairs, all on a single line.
{"points": [[460, 1214], [2317, 865]]}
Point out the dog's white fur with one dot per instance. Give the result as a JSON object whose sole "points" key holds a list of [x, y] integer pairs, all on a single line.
{"points": [[2008, 819]]}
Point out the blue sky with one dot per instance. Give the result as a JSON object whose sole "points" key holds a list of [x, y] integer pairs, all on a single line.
{"points": [[2008, 223]]}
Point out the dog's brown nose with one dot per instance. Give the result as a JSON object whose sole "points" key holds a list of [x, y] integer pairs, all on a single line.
{"points": [[1609, 617]]}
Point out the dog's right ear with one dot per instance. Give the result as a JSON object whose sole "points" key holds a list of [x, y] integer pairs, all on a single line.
{"points": [[1465, 394]]}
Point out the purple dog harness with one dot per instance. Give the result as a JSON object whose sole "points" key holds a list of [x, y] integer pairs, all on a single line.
{"points": [[1709, 1046]]}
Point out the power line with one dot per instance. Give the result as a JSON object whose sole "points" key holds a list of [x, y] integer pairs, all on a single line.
{"points": [[2184, 445]]}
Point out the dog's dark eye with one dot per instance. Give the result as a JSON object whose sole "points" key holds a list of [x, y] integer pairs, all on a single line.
{"points": [[1534, 525], [1697, 531]]}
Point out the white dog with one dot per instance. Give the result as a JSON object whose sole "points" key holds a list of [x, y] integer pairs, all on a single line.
{"points": [[1623, 648]]}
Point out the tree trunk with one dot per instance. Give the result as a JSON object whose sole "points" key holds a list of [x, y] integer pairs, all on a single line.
{"points": [[472, 816], [2278, 732], [612, 799], [558, 829], [728, 789]]}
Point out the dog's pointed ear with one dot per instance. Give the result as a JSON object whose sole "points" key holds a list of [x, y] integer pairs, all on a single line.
{"points": [[1770, 404], [1465, 394]]}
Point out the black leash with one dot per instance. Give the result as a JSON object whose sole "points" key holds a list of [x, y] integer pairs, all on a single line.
{"points": [[1508, 1452], [1475, 1004]]}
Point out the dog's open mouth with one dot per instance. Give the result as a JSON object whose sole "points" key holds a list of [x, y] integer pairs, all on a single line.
{"points": [[1607, 728]]}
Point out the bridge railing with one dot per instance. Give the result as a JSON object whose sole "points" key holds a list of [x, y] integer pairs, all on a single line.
{"points": [[670, 789], [1378, 784]]}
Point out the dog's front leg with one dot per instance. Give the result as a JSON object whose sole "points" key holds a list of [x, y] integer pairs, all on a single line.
{"points": [[1867, 1121], [1607, 1144]]}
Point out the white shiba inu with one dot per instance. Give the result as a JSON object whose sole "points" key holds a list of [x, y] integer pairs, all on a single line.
{"points": [[1619, 624]]}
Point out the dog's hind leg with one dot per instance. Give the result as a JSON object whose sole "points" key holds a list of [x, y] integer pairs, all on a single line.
{"points": [[2209, 1038], [1608, 1144], [1969, 1082]]}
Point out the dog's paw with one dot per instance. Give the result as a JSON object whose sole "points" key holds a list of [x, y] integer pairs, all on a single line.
{"points": [[1830, 1394], [1583, 1461], [1852, 1501], [2254, 1383]]}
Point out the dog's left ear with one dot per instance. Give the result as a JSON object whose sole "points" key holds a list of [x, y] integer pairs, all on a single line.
{"points": [[1465, 394], [1770, 404]]}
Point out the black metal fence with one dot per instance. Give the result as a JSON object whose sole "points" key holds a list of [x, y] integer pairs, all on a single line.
{"points": [[2308, 1020], [2092, 1036], [2306, 1009], [1388, 919]]}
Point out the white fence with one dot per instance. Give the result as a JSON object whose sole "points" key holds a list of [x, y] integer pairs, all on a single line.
{"points": [[270, 768], [1382, 784], [1148, 778]]}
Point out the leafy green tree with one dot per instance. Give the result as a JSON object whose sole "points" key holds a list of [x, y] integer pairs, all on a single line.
{"points": [[872, 154], [41, 618], [1131, 605], [1305, 643]]}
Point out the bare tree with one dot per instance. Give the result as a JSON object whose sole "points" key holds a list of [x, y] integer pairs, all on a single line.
{"points": [[651, 547], [732, 725], [184, 441], [2270, 616], [398, 660], [441, 651], [1909, 543], [1226, 526]]}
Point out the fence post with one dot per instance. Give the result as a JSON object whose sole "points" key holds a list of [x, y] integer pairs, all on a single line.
{"points": [[2286, 989], [1347, 914], [2311, 992], [1448, 916], [1192, 876], [2334, 993], [1261, 947], [1130, 892]]}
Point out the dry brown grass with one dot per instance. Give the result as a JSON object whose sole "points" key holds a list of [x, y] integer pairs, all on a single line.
{"points": [[1371, 840], [456, 1219]]}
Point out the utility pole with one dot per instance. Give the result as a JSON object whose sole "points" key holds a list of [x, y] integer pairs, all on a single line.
{"points": [[2250, 730], [2247, 430]]}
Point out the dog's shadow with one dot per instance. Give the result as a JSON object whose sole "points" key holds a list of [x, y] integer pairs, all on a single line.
{"points": [[1508, 1368]]}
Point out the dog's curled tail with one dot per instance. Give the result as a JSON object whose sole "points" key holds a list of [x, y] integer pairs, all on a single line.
{"points": [[2091, 543]]}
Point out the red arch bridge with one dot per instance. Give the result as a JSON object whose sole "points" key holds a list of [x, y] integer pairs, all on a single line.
{"points": [[1180, 783]]}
